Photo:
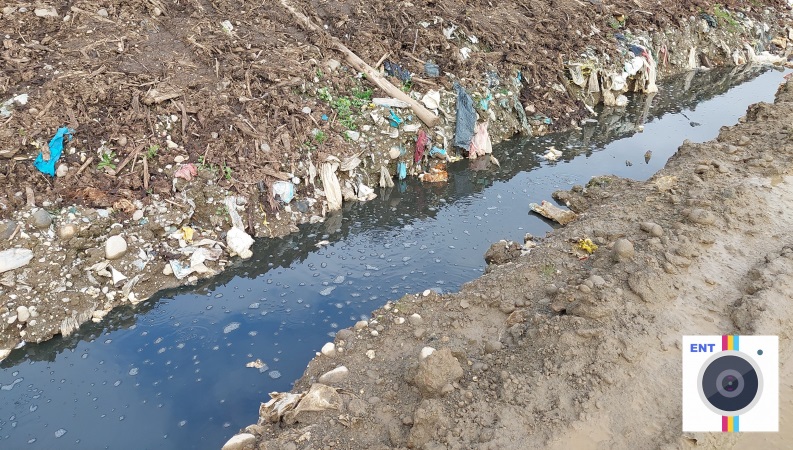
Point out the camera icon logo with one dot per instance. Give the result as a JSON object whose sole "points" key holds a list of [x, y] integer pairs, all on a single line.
{"points": [[730, 383]]}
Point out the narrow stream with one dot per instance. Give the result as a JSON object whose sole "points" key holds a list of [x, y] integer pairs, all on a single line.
{"points": [[171, 374]]}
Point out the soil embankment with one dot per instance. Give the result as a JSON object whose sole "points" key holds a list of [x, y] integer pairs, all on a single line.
{"points": [[563, 349]]}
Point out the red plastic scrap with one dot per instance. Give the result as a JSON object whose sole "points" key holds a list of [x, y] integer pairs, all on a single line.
{"points": [[187, 171], [421, 145]]}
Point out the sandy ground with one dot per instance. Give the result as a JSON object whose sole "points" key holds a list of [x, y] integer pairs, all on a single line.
{"points": [[561, 349]]}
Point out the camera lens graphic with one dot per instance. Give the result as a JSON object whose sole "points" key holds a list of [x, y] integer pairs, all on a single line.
{"points": [[730, 383]]}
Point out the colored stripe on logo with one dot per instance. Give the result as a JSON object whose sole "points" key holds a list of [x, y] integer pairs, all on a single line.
{"points": [[729, 342], [730, 424]]}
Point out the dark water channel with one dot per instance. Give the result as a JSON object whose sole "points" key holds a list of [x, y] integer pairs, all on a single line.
{"points": [[172, 373]]}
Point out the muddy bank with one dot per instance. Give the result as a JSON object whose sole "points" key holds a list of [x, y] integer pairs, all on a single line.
{"points": [[561, 348], [179, 114]]}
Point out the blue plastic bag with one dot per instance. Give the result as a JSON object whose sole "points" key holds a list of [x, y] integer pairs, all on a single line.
{"points": [[395, 119], [56, 148], [402, 170]]}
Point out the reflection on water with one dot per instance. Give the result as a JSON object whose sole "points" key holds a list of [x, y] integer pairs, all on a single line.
{"points": [[172, 373]]}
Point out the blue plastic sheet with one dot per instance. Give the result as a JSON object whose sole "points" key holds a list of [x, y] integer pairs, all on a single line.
{"points": [[431, 69], [56, 148], [402, 170], [395, 119], [466, 118], [437, 152]]}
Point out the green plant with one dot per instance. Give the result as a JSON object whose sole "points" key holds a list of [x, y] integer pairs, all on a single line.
{"points": [[324, 94], [548, 270], [361, 97], [343, 108], [320, 74], [720, 13], [407, 86], [151, 153], [227, 172], [107, 160], [320, 137]]}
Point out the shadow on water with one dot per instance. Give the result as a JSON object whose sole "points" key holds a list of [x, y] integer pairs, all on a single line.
{"points": [[172, 371]]}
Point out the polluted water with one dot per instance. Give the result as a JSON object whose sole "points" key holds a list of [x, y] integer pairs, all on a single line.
{"points": [[190, 367]]}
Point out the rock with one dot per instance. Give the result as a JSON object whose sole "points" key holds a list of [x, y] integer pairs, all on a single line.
{"points": [[702, 217], [329, 349], [41, 218], [493, 346], [137, 215], [502, 252], [623, 249], [652, 228], [23, 314], [394, 152], [115, 247], [14, 258], [436, 371], [7, 228], [354, 135], [361, 324], [102, 12], [429, 421], [415, 320], [243, 441], [597, 280], [306, 110], [336, 375], [357, 407], [425, 352], [333, 65], [67, 231], [62, 170], [464, 304], [167, 270], [49, 11], [345, 334]]}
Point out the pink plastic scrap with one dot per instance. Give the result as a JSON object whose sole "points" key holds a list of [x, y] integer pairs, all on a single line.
{"points": [[421, 145], [187, 171], [480, 144]]}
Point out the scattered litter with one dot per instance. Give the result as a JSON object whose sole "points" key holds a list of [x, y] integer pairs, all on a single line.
{"points": [[365, 193], [7, 106], [421, 145], [548, 210], [117, 276], [287, 406], [321, 244], [465, 53], [439, 153], [411, 128], [350, 163], [647, 155], [284, 190], [258, 364], [402, 170], [180, 271], [388, 102], [431, 69], [432, 99], [238, 241], [187, 172], [50, 155], [495, 161], [466, 118], [187, 234], [480, 144], [395, 120], [587, 245], [14, 258], [552, 154], [330, 184], [436, 174], [395, 70], [385, 178], [227, 26]]}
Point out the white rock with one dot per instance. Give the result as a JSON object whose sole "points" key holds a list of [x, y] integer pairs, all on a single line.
{"points": [[426, 293], [46, 12], [137, 215], [370, 354], [242, 441], [115, 247], [335, 376], [306, 110], [329, 349], [425, 352], [167, 270], [23, 314], [14, 258], [178, 159], [62, 170], [361, 324]]}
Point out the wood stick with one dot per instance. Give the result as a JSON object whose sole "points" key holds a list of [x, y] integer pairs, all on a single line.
{"points": [[424, 114], [387, 54], [85, 164], [145, 174]]}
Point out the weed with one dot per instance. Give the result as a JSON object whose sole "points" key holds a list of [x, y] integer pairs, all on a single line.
{"points": [[407, 86], [343, 107], [227, 172], [548, 270], [720, 13], [107, 161], [324, 94], [320, 74], [320, 137], [151, 153]]}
